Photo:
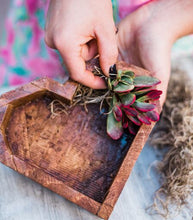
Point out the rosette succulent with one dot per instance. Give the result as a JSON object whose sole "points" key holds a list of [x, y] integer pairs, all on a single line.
{"points": [[132, 102]]}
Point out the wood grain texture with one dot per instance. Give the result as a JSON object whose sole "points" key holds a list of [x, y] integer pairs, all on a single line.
{"points": [[73, 148], [71, 155]]}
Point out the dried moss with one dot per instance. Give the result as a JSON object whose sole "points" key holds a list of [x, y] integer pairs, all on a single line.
{"points": [[84, 95], [175, 132]]}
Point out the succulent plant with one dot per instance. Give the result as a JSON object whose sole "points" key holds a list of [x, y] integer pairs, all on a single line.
{"points": [[131, 104]]}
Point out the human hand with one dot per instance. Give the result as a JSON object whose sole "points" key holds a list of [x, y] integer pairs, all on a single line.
{"points": [[79, 30], [143, 42], [146, 36]]}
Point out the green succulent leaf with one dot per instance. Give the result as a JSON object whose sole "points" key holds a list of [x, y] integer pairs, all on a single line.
{"points": [[145, 81], [114, 83], [126, 80], [128, 73], [121, 87], [114, 128], [116, 101], [119, 74], [143, 99], [143, 106], [128, 99]]}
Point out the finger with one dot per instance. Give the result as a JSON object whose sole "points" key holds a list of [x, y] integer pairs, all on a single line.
{"points": [[107, 47], [77, 68], [89, 50], [161, 68], [164, 77], [49, 42]]}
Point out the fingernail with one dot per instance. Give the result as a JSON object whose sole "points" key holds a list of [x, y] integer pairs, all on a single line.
{"points": [[113, 69], [117, 29]]}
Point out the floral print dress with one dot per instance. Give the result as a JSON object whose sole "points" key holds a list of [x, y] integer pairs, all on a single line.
{"points": [[24, 55]]}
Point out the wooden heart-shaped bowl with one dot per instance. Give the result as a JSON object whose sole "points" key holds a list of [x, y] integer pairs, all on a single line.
{"points": [[71, 154]]}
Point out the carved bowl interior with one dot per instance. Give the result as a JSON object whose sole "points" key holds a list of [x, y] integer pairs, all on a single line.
{"points": [[73, 147]]}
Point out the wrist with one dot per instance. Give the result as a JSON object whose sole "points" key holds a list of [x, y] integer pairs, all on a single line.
{"points": [[151, 19], [173, 17]]}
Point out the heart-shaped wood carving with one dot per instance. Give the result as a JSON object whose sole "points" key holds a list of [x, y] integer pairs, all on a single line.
{"points": [[70, 154]]}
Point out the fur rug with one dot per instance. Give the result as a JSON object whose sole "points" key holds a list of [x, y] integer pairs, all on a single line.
{"points": [[174, 132]]}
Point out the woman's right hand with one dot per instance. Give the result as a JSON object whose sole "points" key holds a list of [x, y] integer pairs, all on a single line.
{"points": [[79, 30]]}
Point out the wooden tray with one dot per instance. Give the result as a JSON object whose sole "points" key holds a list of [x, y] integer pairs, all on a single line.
{"points": [[70, 155]]}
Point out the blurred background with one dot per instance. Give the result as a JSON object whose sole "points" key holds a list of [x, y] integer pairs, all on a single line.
{"points": [[4, 7]]}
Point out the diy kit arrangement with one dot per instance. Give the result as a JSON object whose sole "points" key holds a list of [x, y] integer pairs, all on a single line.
{"points": [[77, 142]]}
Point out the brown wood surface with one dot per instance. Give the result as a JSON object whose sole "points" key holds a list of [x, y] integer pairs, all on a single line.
{"points": [[69, 154]]}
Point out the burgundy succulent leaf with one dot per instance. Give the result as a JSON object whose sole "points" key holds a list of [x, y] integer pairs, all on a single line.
{"points": [[125, 122], [130, 111], [151, 95], [138, 90], [131, 128], [152, 116], [117, 112], [154, 94], [143, 118], [135, 120], [143, 91]]}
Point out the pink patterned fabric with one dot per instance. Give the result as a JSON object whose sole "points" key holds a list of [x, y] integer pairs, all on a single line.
{"points": [[24, 55], [127, 6]]}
